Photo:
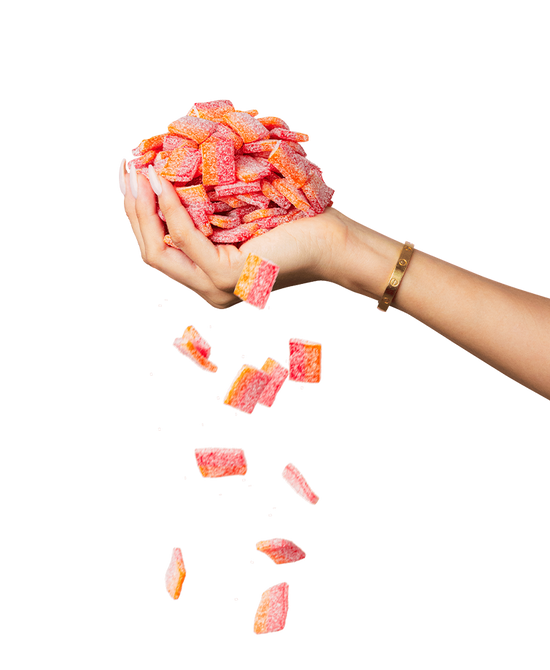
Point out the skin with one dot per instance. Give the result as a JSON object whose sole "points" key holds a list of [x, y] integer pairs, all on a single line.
{"points": [[302, 249], [507, 328]]}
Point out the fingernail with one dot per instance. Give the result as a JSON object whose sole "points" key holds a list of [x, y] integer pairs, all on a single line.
{"points": [[154, 180], [121, 174], [133, 181]]}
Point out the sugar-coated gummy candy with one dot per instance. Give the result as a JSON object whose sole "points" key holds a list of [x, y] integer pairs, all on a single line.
{"points": [[245, 125], [284, 134], [175, 574], [214, 110], [246, 388], [277, 376], [249, 168], [259, 147], [295, 195], [152, 144], [238, 188], [281, 551], [305, 361], [194, 346], [218, 161], [236, 234], [263, 214], [256, 280], [295, 478], [257, 199], [317, 192], [290, 164], [272, 610], [192, 128], [271, 122], [221, 462], [182, 164]]}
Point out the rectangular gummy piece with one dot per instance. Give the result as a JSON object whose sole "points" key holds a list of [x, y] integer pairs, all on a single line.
{"points": [[249, 168], [277, 376], [221, 462], [193, 128], [295, 478], [305, 361], [218, 161], [246, 388], [290, 164], [272, 610], [214, 110], [193, 346], [317, 192], [238, 188], [256, 280], [295, 195], [152, 144], [249, 128]]}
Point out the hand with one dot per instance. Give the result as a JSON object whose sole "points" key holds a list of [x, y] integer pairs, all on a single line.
{"points": [[303, 249]]}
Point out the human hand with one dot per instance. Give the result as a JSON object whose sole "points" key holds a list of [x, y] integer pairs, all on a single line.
{"points": [[303, 249]]}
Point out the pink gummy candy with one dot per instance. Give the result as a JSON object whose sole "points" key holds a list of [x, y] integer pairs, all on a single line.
{"points": [[193, 346], [295, 478], [277, 376], [175, 574], [246, 389], [221, 462], [249, 128], [281, 551], [305, 361], [272, 610], [256, 280]]}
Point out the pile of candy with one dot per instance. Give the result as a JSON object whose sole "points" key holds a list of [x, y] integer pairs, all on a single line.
{"points": [[238, 176]]}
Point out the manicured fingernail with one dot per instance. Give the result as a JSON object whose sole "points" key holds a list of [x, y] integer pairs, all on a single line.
{"points": [[133, 181], [154, 180], [121, 174]]}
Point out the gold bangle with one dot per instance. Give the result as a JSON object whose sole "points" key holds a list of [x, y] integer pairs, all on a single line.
{"points": [[397, 276]]}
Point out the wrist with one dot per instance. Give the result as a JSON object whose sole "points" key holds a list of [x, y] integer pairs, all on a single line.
{"points": [[360, 259]]}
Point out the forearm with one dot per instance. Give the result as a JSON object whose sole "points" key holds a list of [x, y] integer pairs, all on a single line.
{"points": [[507, 328]]}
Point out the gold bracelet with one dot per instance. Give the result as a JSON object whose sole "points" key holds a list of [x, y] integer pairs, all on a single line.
{"points": [[397, 276]]}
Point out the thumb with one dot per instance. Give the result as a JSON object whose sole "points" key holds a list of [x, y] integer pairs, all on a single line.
{"points": [[181, 227]]}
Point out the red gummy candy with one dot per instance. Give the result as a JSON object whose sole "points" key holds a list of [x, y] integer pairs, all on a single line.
{"points": [[272, 610], [246, 389], [277, 376], [249, 128], [281, 551], [193, 128], [221, 462], [256, 280], [295, 478]]}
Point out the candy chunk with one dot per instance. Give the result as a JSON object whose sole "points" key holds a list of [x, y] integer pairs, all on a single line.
{"points": [[295, 478], [263, 214], [175, 574], [221, 462], [277, 376], [214, 110], [144, 150], [249, 128], [172, 142], [295, 195], [193, 346], [317, 192], [259, 147], [272, 610], [249, 169], [238, 188], [193, 128], [281, 551], [305, 361], [198, 204], [290, 164], [271, 122], [168, 241], [224, 131], [182, 164], [235, 234], [218, 161], [256, 199], [284, 134], [273, 194], [256, 280], [246, 388], [225, 222]]}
